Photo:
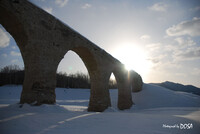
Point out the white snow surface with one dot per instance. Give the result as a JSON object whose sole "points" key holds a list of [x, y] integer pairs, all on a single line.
{"points": [[156, 111]]}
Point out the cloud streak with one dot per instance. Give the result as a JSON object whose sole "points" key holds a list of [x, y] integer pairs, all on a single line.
{"points": [[185, 42], [189, 54], [13, 53], [61, 3], [85, 6], [159, 7], [4, 39], [191, 28]]}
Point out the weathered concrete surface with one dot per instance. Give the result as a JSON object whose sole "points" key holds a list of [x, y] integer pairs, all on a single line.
{"points": [[135, 80], [43, 41]]}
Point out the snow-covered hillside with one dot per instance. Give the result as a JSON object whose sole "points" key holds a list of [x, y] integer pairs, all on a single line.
{"points": [[156, 111]]}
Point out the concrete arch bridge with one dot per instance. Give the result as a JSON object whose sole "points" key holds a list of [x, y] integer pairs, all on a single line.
{"points": [[43, 41]]}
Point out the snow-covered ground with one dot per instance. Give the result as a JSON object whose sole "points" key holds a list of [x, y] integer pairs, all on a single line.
{"points": [[156, 111]]}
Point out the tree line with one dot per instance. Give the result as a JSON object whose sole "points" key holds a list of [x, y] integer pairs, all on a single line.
{"points": [[13, 74]]}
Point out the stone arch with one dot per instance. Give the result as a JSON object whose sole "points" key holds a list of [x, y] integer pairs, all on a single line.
{"points": [[15, 50], [43, 41], [72, 65], [13, 25], [87, 58], [99, 93]]}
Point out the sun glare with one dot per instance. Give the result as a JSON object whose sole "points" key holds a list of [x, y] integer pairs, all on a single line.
{"points": [[133, 57]]}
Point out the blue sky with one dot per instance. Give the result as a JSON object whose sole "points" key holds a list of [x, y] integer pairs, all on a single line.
{"points": [[160, 39]]}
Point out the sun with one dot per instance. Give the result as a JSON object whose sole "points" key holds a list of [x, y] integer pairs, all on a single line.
{"points": [[133, 57]]}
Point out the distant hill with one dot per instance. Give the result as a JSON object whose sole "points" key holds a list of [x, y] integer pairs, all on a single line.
{"points": [[179, 87]]}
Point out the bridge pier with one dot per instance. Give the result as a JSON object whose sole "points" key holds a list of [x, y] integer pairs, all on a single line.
{"points": [[99, 94], [124, 89], [39, 86], [41, 64]]}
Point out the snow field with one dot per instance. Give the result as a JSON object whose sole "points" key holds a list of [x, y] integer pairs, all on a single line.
{"points": [[156, 111]]}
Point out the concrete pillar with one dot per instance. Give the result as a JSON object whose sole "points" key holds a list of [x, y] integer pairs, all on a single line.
{"points": [[41, 64], [99, 94], [124, 89], [99, 77], [39, 85], [135, 81]]}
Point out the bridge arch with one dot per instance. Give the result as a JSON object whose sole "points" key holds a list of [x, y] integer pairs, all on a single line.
{"points": [[87, 58], [43, 41], [99, 92], [14, 27]]}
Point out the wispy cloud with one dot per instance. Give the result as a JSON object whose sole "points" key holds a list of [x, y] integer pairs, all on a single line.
{"points": [[191, 28], [48, 9], [183, 49], [85, 6], [145, 37], [185, 42], [170, 55], [13, 53], [160, 7], [4, 38], [61, 3], [192, 53], [153, 46], [156, 56], [157, 59]]}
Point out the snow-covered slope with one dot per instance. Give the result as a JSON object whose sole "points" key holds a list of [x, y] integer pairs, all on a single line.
{"points": [[153, 96], [156, 110]]}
